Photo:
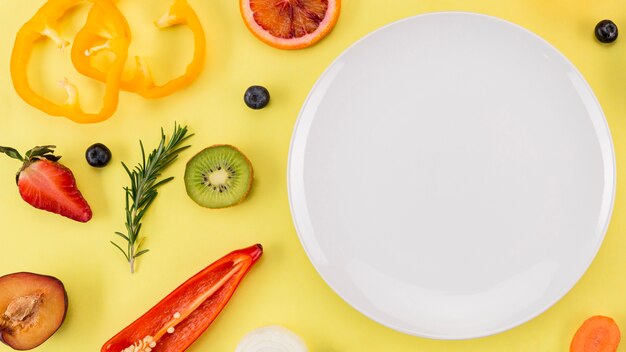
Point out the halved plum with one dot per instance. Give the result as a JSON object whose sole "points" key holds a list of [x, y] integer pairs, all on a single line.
{"points": [[32, 308]]}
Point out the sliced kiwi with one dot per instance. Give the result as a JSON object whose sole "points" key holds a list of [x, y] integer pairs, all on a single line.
{"points": [[219, 176]]}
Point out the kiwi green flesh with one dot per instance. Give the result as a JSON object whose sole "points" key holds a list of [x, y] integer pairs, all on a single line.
{"points": [[218, 177]]}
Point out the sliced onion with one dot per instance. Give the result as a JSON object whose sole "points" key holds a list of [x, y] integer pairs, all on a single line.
{"points": [[273, 338]]}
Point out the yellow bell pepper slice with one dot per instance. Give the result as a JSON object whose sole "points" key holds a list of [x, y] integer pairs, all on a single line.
{"points": [[141, 80], [104, 22]]}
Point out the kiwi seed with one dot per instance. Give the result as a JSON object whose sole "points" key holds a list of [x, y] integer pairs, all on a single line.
{"points": [[219, 176]]}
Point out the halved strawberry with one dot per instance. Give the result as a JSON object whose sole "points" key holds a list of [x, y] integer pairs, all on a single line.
{"points": [[48, 185]]}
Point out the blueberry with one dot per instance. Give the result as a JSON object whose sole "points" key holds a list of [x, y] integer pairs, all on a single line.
{"points": [[606, 31], [256, 97], [98, 155]]}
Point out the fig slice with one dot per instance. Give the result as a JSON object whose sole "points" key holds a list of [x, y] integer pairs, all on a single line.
{"points": [[32, 308]]}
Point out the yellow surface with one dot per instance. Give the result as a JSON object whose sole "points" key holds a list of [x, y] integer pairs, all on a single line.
{"points": [[283, 288]]}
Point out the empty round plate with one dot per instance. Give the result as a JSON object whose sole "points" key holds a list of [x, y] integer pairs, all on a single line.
{"points": [[451, 175]]}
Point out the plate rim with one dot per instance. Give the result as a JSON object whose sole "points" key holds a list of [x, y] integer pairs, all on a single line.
{"points": [[604, 127]]}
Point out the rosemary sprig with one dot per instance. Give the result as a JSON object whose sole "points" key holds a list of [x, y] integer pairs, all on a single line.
{"points": [[143, 189]]}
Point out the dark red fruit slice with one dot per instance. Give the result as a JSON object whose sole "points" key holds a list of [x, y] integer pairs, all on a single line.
{"points": [[33, 308], [290, 24]]}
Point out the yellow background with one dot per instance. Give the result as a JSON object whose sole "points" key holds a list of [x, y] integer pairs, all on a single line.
{"points": [[283, 288]]}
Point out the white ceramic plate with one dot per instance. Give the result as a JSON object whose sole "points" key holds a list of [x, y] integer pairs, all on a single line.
{"points": [[451, 175]]}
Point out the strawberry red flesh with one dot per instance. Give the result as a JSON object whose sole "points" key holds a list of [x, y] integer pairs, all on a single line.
{"points": [[50, 186]]}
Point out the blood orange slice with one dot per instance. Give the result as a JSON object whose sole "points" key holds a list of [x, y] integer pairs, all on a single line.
{"points": [[290, 24]]}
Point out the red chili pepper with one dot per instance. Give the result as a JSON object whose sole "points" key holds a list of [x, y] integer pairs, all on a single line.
{"points": [[174, 323]]}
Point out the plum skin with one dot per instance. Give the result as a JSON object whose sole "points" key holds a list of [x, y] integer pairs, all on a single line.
{"points": [[47, 287]]}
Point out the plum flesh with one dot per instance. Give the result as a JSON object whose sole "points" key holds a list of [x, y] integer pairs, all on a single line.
{"points": [[32, 308]]}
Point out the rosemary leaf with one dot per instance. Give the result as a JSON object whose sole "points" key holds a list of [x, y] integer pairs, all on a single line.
{"points": [[120, 248], [143, 188], [141, 252], [122, 235]]}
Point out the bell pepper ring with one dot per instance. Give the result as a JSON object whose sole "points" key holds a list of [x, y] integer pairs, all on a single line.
{"points": [[141, 80], [104, 21], [181, 317]]}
